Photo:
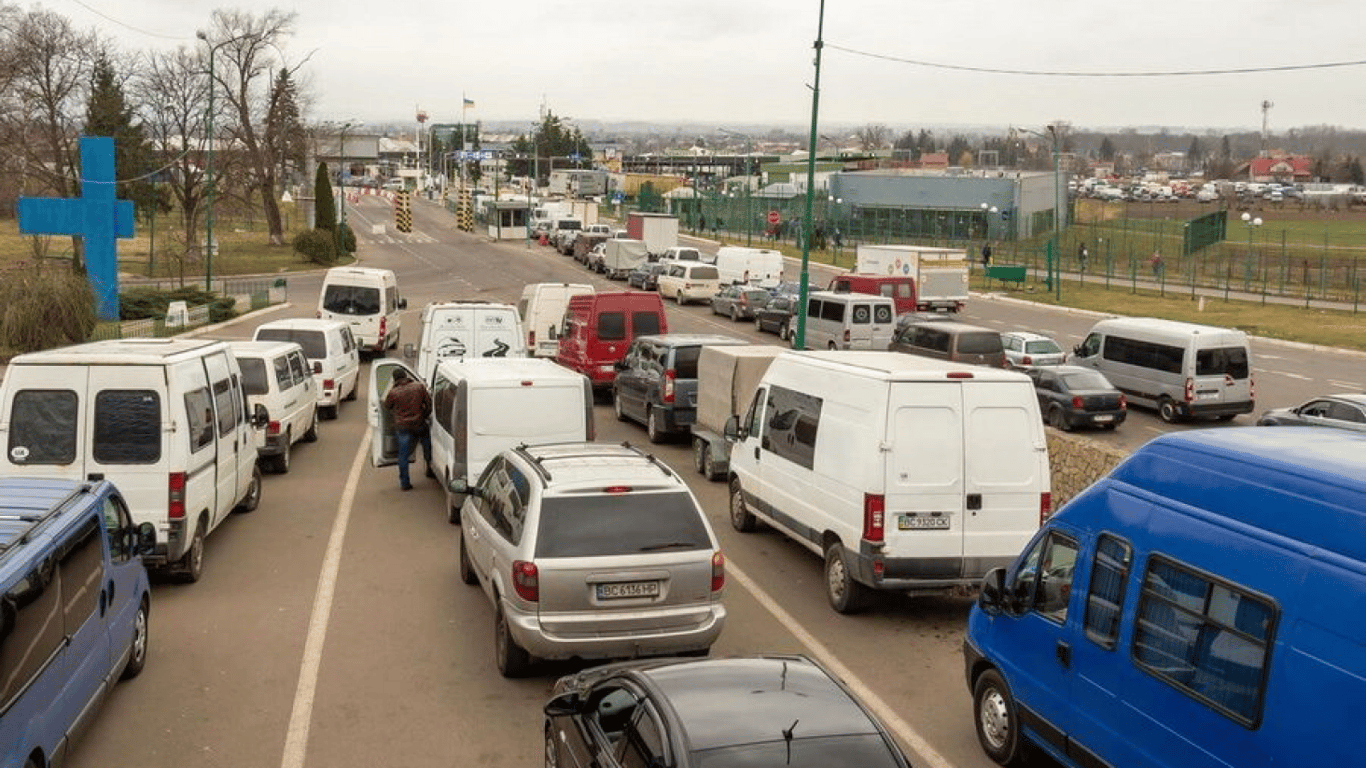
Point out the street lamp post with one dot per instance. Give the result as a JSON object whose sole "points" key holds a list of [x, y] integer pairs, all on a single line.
{"points": [[819, 45], [208, 166], [341, 186], [1252, 223]]}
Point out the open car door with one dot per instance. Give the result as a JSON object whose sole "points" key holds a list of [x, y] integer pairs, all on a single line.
{"points": [[383, 443]]}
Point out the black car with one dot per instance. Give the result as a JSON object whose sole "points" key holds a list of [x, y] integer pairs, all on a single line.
{"points": [[1072, 396], [769, 710], [776, 315], [646, 276]]}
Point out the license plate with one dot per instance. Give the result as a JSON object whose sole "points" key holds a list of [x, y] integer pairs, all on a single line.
{"points": [[1207, 396], [628, 589], [1104, 417], [921, 523]]}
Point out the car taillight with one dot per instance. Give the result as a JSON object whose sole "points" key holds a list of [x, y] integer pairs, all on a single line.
{"points": [[1045, 506], [273, 428], [531, 338], [1123, 402], [669, 386], [526, 580], [874, 513], [1252, 386], [383, 331], [317, 366], [1190, 390], [718, 572], [1027, 360], [846, 335], [1077, 403], [175, 496], [329, 383]]}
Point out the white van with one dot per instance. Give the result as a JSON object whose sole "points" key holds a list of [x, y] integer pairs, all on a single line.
{"points": [[848, 321], [481, 406], [1183, 370], [904, 473], [541, 310], [277, 376], [465, 329], [755, 266], [163, 419], [367, 300], [331, 352]]}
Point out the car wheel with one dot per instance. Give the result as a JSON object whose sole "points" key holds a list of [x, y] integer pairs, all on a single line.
{"points": [[1167, 410], [699, 455], [678, 297], [512, 659], [616, 406], [845, 594], [1056, 419], [279, 463], [137, 651], [467, 574], [552, 755], [734, 315], [252, 499], [784, 332], [741, 519], [355, 385], [311, 436], [190, 568], [758, 325], [654, 426], [832, 346], [995, 718], [328, 412]]}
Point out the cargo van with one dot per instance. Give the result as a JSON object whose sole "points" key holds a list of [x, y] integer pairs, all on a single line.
{"points": [[599, 328], [899, 288], [905, 474], [754, 266], [465, 328], [74, 610], [541, 310], [366, 299], [1199, 607], [848, 321], [164, 419], [331, 351], [1183, 370], [952, 341], [481, 406]]}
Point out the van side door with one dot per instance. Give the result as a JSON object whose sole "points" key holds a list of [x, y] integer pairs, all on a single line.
{"points": [[125, 580], [84, 615], [236, 452], [745, 452]]}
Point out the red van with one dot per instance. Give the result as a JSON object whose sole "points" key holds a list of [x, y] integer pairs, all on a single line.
{"points": [[901, 290], [599, 327]]}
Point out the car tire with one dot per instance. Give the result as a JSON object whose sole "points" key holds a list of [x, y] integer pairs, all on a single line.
{"points": [[832, 346], [741, 519], [190, 566], [137, 650], [511, 658], [784, 332], [699, 455], [734, 315], [1057, 420], [678, 297], [252, 499], [654, 426], [279, 463], [467, 574], [758, 325], [617, 407], [328, 412], [844, 593], [311, 436], [552, 754], [995, 718], [1168, 411], [355, 387]]}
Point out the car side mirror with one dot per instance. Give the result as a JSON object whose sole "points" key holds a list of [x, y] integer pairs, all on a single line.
{"points": [[147, 538], [732, 428], [260, 417], [317, 367], [991, 598], [462, 486], [564, 705], [553, 332], [402, 303]]}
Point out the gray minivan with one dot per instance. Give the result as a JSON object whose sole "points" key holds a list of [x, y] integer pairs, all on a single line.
{"points": [[656, 382], [952, 341]]}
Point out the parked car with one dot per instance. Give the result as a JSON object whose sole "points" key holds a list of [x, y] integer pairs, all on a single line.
{"points": [[646, 276], [589, 550], [1341, 411], [1071, 396], [776, 315], [686, 281], [922, 317], [764, 710], [1024, 349], [790, 288], [277, 376], [738, 301], [656, 382]]}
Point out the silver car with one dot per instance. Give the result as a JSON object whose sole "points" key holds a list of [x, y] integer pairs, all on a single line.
{"points": [[591, 551], [1024, 349], [1346, 411]]}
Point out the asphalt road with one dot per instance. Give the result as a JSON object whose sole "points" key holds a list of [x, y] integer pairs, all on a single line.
{"points": [[331, 629]]}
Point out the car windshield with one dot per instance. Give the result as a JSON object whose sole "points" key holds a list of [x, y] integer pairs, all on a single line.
{"points": [[351, 300], [627, 523], [865, 750], [1085, 380], [984, 343], [1042, 347]]}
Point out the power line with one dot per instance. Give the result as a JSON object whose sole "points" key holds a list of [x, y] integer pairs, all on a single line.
{"points": [[1079, 73], [111, 19]]}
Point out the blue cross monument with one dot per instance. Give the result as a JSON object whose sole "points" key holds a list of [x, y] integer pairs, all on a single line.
{"points": [[96, 216]]}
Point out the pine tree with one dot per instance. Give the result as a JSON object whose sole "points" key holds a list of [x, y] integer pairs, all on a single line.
{"points": [[325, 216], [284, 137], [107, 113]]}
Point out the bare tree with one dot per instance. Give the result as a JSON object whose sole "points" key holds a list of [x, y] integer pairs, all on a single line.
{"points": [[871, 137], [249, 48]]}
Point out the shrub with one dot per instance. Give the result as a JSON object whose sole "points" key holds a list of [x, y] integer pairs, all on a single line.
{"points": [[348, 238], [43, 309], [317, 246], [324, 206]]}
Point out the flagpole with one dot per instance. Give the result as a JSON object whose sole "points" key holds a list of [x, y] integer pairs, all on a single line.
{"points": [[464, 106]]}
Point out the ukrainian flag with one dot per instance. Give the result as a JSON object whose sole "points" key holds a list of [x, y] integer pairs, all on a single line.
{"points": [[468, 102]]}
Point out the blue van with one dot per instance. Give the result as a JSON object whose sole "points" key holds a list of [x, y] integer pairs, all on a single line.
{"points": [[74, 603], [1203, 605]]}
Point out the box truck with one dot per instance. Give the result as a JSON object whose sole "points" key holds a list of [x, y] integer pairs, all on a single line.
{"points": [[941, 274]]}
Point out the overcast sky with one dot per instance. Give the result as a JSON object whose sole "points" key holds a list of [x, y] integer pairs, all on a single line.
{"points": [[750, 62]]}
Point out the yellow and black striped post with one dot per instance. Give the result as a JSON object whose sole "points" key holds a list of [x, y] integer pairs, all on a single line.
{"points": [[403, 212], [464, 211]]}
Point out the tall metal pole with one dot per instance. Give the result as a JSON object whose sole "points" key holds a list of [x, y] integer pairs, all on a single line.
{"points": [[800, 342], [749, 199], [1057, 218], [208, 167]]}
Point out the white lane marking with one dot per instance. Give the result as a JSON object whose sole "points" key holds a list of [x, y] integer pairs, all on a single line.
{"points": [[301, 714], [1286, 374], [1344, 384], [908, 735]]}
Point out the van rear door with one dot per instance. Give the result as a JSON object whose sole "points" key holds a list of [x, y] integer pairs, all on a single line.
{"points": [[1005, 472], [1222, 375], [133, 441], [924, 488], [383, 441]]}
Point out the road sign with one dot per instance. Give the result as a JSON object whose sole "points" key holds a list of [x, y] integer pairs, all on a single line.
{"points": [[774, 217]]}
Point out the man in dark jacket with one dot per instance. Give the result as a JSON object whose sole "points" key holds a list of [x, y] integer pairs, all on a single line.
{"points": [[410, 406]]}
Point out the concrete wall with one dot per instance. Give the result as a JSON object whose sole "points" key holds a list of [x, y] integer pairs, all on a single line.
{"points": [[1077, 462]]}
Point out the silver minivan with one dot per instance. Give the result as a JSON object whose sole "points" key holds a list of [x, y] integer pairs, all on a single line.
{"points": [[590, 550], [848, 321]]}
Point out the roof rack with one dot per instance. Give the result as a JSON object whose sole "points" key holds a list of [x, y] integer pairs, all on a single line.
{"points": [[36, 520], [653, 459]]}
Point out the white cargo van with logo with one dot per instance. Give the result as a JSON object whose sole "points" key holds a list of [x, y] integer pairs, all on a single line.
{"points": [[330, 349], [904, 473], [367, 300], [462, 329], [1181, 369], [481, 406], [541, 309], [848, 321], [163, 419]]}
